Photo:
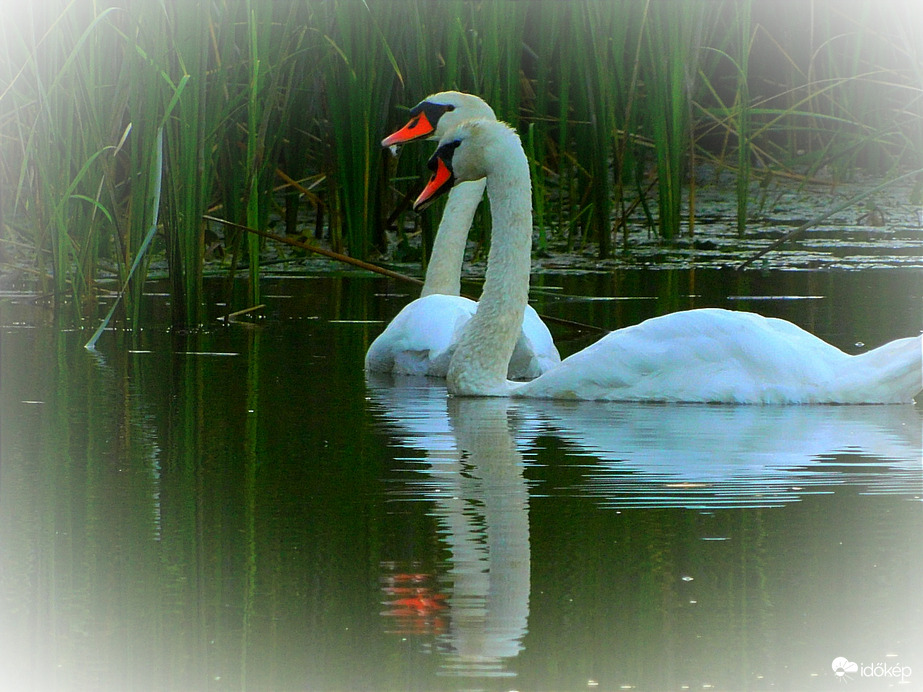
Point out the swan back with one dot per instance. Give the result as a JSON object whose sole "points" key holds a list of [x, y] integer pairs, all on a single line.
{"points": [[722, 356]]}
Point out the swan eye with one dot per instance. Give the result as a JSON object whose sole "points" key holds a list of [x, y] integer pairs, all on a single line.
{"points": [[432, 111]]}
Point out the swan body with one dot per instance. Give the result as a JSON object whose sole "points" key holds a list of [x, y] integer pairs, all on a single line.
{"points": [[715, 355], [704, 355], [421, 339]]}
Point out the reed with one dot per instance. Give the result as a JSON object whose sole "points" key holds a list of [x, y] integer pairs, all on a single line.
{"points": [[732, 115], [359, 76], [742, 107], [53, 175], [168, 87], [675, 36], [851, 94], [605, 95], [599, 36], [542, 29], [493, 53]]}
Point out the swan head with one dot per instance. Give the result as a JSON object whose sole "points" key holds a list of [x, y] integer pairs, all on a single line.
{"points": [[469, 151], [437, 114]]}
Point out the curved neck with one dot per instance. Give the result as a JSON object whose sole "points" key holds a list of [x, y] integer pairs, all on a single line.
{"points": [[480, 362], [443, 273]]}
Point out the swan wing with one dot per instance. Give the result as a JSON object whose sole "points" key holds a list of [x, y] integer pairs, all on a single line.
{"points": [[421, 338], [707, 355]]}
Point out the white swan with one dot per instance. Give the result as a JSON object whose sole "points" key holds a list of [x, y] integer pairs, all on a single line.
{"points": [[706, 355], [420, 340]]}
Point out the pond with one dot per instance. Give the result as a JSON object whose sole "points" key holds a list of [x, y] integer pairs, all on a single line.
{"points": [[244, 509]]}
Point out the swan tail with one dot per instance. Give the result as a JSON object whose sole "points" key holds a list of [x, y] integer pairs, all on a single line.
{"points": [[889, 374]]}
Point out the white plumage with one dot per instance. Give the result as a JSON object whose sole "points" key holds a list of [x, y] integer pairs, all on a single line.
{"points": [[421, 339], [714, 355], [706, 355]]}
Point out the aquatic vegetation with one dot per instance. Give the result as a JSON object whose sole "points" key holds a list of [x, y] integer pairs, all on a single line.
{"points": [[273, 112]]}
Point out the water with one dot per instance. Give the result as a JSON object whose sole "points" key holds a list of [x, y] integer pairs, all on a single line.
{"points": [[243, 509]]}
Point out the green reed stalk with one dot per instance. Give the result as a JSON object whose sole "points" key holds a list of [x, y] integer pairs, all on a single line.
{"points": [[542, 30], [249, 110], [359, 73], [597, 41], [153, 90], [538, 187], [191, 167], [745, 43], [735, 119], [156, 175], [598, 105], [298, 156], [253, 164], [65, 136], [673, 39], [566, 215], [496, 49]]}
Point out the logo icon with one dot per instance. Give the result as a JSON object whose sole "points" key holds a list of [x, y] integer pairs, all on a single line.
{"points": [[841, 666]]}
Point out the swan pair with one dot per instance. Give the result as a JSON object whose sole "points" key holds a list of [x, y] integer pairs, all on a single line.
{"points": [[421, 339], [704, 355]]}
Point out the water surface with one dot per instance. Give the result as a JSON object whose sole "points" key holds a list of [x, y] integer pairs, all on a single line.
{"points": [[243, 509]]}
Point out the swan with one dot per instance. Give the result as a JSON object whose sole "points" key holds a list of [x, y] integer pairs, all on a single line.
{"points": [[421, 338], [703, 355]]}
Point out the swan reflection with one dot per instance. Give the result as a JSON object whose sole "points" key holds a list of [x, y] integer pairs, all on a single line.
{"points": [[687, 456], [706, 457], [473, 474]]}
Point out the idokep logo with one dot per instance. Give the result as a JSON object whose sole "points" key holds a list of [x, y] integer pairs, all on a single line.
{"points": [[841, 666], [845, 669]]}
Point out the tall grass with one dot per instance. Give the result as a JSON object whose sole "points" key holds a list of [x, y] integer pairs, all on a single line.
{"points": [[608, 97], [731, 113], [359, 78], [675, 36], [188, 139], [52, 175], [595, 93], [742, 108]]}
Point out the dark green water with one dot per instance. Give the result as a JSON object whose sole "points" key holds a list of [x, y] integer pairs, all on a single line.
{"points": [[241, 509]]}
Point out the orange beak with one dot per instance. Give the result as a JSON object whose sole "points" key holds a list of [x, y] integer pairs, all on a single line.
{"points": [[440, 183], [418, 126]]}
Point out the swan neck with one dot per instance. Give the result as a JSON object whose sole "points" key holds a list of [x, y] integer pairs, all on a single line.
{"points": [[480, 363], [443, 273]]}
